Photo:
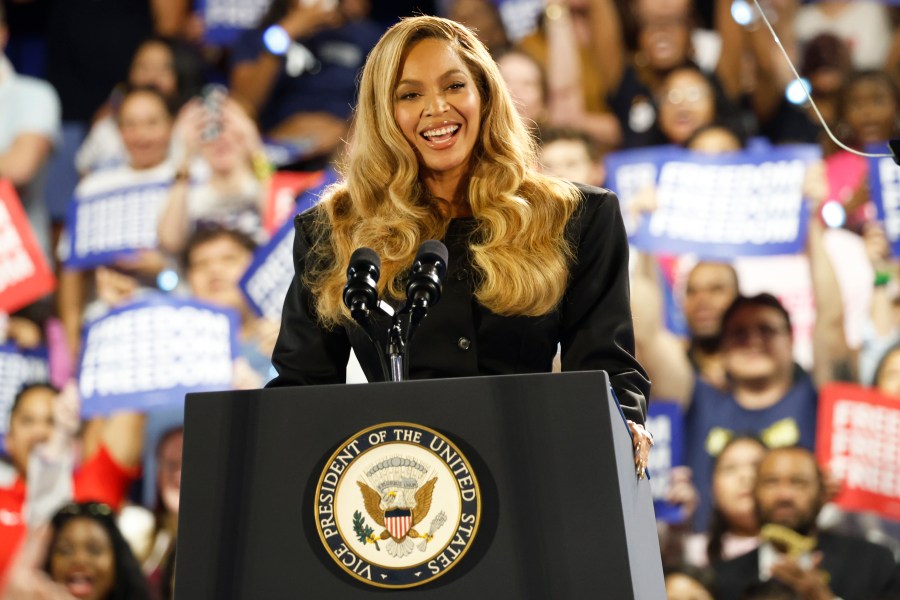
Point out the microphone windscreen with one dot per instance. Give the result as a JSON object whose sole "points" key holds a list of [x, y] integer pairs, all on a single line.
{"points": [[363, 257], [431, 249]]}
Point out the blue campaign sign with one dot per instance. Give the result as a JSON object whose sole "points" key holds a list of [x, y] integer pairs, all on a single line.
{"points": [[225, 20], [739, 204], [884, 190], [267, 279], [665, 420], [150, 353], [107, 226], [281, 153], [19, 367]]}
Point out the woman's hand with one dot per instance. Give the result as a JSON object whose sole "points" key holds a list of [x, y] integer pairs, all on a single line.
{"points": [[306, 18], [642, 441], [24, 332], [815, 186], [244, 377], [642, 205], [682, 491], [25, 578], [878, 249], [113, 287], [236, 122], [189, 125]]}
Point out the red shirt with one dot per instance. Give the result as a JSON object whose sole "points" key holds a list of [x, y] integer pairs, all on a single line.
{"points": [[100, 479]]}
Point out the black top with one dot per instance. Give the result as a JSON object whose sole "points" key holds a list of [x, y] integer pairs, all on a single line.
{"points": [[90, 44], [462, 338], [857, 569]]}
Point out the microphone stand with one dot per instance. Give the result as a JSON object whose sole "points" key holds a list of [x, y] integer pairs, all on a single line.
{"points": [[397, 346], [361, 298], [360, 313]]}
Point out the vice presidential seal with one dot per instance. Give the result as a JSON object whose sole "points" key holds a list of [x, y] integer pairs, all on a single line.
{"points": [[397, 505]]}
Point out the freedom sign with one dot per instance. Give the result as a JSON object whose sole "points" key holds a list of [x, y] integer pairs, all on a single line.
{"points": [[18, 368], [225, 20], [739, 204], [858, 441], [106, 226], [665, 420], [24, 273], [267, 279], [884, 190], [152, 352]]}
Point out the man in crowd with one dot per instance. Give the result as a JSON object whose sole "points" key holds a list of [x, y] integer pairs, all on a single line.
{"points": [[762, 391], [673, 363], [29, 126], [789, 493]]}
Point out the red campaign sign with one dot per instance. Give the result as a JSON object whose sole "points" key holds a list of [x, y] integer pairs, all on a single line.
{"points": [[858, 440], [284, 188], [24, 274]]}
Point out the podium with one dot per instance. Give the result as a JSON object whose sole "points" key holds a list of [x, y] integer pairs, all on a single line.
{"points": [[562, 512]]}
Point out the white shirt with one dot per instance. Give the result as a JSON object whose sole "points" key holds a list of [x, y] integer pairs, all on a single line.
{"points": [[864, 25]]}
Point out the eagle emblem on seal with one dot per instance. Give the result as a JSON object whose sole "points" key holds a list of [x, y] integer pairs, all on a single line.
{"points": [[398, 499]]}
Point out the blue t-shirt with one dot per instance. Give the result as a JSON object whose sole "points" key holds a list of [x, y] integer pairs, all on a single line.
{"points": [[328, 86], [715, 417]]}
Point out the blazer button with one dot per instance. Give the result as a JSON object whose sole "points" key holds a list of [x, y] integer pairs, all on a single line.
{"points": [[464, 343]]}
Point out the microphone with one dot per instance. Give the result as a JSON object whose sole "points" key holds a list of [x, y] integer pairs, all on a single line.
{"points": [[427, 275], [424, 288], [361, 291], [361, 296]]}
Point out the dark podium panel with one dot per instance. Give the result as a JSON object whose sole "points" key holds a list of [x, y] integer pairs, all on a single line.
{"points": [[563, 515]]}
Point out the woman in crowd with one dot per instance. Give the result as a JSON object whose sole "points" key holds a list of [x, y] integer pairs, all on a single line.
{"points": [[165, 513], [887, 374], [438, 152], [868, 113], [89, 556], [687, 102], [160, 63], [145, 124], [233, 196], [734, 525], [527, 84]]}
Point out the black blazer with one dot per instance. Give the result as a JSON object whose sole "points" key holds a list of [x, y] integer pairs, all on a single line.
{"points": [[461, 338], [859, 570]]}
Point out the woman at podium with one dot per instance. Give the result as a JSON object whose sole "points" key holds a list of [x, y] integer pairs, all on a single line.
{"points": [[438, 151]]}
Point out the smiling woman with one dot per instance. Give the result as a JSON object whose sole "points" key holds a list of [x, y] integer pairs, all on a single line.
{"points": [[438, 109], [89, 556], [438, 151]]}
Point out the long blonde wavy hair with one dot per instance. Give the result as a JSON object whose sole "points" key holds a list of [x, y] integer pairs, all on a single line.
{"points": [[520, 253]]}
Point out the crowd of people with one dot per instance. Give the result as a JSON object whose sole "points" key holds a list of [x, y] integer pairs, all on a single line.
{"points": [[204, 127]]}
